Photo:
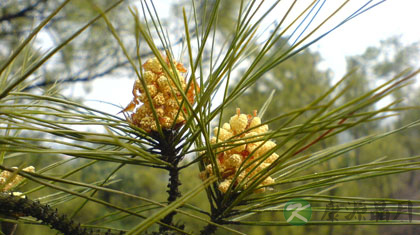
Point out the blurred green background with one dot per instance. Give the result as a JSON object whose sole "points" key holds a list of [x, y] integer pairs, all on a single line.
{"points": [[298, 81]]}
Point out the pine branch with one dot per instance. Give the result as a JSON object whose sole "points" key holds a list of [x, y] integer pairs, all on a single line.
{"points": [[21, 13], [16, 206], [170, 153], [217, 217], [209, 229]]}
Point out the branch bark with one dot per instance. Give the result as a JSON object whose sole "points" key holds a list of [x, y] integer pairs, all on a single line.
{"points": [[21, 13], [16, 206]]}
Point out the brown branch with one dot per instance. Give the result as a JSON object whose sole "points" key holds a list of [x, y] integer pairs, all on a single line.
{"points": [[21, 13], [15, 207], [74, 78]]}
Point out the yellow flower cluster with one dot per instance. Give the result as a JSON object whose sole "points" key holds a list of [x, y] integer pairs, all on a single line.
{"points": [[166, 98], [241, 131], [5, 176]]}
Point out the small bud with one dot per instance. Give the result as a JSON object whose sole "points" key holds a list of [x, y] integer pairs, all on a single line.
{"points": [[224, 186], [222, 134], [13, 182], [233, 161], [238, 123]]}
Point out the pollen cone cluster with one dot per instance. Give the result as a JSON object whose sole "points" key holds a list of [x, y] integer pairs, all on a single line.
{"points": [[165, 97], [5, 177], [242, 149]]}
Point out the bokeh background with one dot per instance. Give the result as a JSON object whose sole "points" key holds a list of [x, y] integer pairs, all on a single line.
{"points": [[379, 43]]}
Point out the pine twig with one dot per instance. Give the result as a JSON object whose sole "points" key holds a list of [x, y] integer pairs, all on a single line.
{"points": [[169, 151], [16, 206]]}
